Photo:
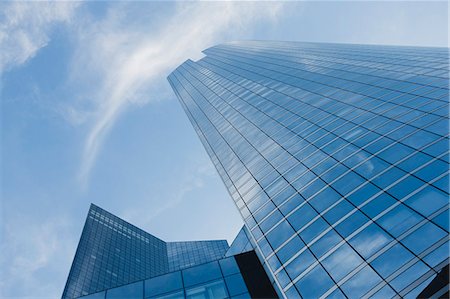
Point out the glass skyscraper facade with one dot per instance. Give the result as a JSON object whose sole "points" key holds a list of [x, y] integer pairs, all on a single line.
{"points": [[336, 157], [113, 252]]}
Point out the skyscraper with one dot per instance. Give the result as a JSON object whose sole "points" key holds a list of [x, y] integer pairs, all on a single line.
{"points": [[336, 157], [116, 260]]}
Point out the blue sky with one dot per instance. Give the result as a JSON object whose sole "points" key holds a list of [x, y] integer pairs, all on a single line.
{"points": [[88, 116]]}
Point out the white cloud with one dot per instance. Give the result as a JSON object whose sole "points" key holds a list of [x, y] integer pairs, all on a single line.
{"points": [[129, 60], [28, 249], [25, 28]]}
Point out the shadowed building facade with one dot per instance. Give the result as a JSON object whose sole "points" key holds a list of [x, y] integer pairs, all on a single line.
{"points": [[336, 157]]}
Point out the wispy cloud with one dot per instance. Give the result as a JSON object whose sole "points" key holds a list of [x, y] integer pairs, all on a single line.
{"points": [[131, 61], [31, 249], [26, 26]]}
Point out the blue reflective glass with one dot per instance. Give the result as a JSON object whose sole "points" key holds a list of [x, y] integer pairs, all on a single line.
{"points": [[352, 223], [173, 295], [280, 234], [443, 220], [100, 295], [324, 199], [202, 273], [391, 260], [242, 296], [274, 115], [235, 284], [428, 201], [299, 264], [337, 212], [399, 219], [289, 249], [370, 240], [212, 290], [423, 237], [313, 230], [129, 291], [341, 262], [163, 284], [229, 266], [360, 283], [378, 205], [409, 275], [302, 216], [314, 283], [385, 292], [325, 243]]}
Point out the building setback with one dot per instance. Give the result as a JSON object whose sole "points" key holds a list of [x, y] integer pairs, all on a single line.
{"points": [[335, 155]]}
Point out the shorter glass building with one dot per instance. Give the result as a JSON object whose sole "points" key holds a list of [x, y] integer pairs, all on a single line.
{"points": [[115, 259], [230, 277]]}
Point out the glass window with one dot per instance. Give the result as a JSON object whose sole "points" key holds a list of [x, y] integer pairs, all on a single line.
{"points": [[378, 205], [235, 284], [270, 221], [100, 295], [405, 187], [419, 139], [325, 243], [242, 296], [324, 199], [299, 264], [442, 219], [211, 290], [416, 160], [438, 255], [370, 240], [432, 170], [391, 260], [311, 189], [385, 292], [280, 234], [399, 219], [414, 293], [341, 262], [443, 183], [348, 183], [423, 237], [351, 223], [438, 148], [315, 283], [336, 294], [273, 262], [389, 177], [229, 266], [428, 200], [292, 293], [313, 230], [299, 218], [264, 211], [363, 193], [129, 291], [395, 152], [174, 295], [289, 249], [291, 204], [361, 283], [201, 273], [283, 195], [163, 284], [336, 213], [283, 278], [408, 276]]}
